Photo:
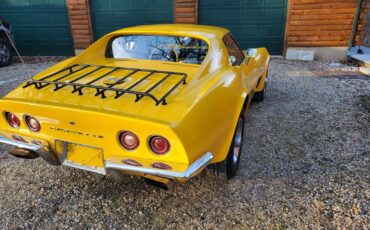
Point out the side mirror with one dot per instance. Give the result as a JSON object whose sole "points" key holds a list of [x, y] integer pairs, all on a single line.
{"points": [[232, 59], [252, 52]]}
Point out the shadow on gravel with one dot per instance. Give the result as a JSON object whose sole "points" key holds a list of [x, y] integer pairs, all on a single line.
{"points": [[364, 101]]}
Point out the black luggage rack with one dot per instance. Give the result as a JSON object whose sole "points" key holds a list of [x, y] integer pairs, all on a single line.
{"points": [[100, 90]]}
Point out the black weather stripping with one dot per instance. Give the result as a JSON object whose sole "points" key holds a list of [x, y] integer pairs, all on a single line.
{"points": [[74, 74]]}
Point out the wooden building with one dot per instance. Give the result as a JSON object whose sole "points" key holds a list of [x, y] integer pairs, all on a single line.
{"points": [[327, 27], [58, 28]]}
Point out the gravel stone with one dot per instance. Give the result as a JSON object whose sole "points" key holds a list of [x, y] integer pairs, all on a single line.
{"points": [[305, 165]]}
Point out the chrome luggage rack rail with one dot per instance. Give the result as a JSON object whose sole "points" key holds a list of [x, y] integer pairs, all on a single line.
{"points": [[100, 90]]}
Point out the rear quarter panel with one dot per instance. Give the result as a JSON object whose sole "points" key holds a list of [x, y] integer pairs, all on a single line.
{"points": [[211, 122], [209, 125]]}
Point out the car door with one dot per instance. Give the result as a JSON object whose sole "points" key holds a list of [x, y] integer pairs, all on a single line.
{"points": [[243, 64]]}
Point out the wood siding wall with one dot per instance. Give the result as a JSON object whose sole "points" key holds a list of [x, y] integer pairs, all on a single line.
{"points": [[80, 21], [186, 11], [316, 23], [363, 26], [310, 23]]}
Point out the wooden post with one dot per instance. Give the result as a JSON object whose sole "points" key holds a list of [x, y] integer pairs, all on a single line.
{"points": [[287, 21], [186, 11], [363, 26], [80, 23]]}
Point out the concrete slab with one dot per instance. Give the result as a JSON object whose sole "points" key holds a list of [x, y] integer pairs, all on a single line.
{"points": [[337, 53], [302, 55], [365, 70], [292, 54], [363, 57], [306, 55]]}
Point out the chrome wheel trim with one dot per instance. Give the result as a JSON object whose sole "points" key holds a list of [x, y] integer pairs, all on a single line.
{"points": [[265, 88], [4, 52], [266, 80], [238, 141]]}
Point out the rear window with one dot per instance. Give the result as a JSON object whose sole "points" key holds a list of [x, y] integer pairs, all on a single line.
{"points": [[234, 51], [162, 48]]}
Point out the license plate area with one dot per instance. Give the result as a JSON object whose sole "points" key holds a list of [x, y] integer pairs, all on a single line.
{"points": [[81, 156]]}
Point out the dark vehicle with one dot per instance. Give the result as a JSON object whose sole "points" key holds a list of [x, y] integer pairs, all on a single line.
{"points": [[6, 50]]}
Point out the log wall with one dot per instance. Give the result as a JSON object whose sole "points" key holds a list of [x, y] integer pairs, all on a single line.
{"points": [[186, 11], [310, 23], [363, 26], [80, 22], [318, 23]]}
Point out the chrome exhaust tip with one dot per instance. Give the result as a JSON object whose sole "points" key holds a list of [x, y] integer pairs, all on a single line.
{"points": [[23, 153]]}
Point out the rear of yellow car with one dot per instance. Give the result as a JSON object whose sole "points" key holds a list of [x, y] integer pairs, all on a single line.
{"points": [[98, 129], [95, 141], [158, 119]]}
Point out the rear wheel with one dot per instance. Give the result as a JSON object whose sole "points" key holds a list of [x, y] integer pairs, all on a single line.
{"points": [[233, 157], [231, 164], [6, 54], [259, 96]]}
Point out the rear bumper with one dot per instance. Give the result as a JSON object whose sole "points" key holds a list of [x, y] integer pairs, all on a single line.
{"points": [[43, 150], [195, 168]]}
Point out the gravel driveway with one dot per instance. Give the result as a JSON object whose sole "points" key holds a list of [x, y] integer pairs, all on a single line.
{"points": [[305, 164]]}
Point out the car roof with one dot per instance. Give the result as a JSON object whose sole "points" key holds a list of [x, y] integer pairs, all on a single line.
{"points": [[202, 30]]}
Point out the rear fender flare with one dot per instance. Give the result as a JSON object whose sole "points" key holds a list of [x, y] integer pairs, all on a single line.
{"points": [[262, 81], [240, 110]]}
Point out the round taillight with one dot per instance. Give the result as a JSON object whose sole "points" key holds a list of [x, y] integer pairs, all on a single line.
{"points": [[160, 165], [12, 119], [159, 145], [33, 124], [128, 140]]}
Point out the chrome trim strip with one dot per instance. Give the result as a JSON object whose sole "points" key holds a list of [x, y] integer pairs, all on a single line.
{"points": [[19, 144], [42, 150], [193, 169], [83, 167]]}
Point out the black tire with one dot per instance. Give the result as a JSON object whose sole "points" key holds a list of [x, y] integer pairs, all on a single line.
{"points": [[260, 96], [6, 52], [233, 157], [230, 166]]}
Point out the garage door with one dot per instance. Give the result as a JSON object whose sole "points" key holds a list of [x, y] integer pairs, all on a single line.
{"points": [[39, 27], [110, 15], [253, 23]]}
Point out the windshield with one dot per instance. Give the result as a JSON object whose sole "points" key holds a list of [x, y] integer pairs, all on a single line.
{"points": [[163, 48]]}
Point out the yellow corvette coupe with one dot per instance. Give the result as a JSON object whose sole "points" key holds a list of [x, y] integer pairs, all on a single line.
{"points": [[159, 101]]}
